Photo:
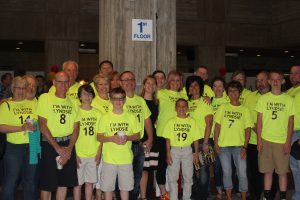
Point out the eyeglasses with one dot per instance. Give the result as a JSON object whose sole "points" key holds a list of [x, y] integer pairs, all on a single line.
{"points": [[126, 80]]}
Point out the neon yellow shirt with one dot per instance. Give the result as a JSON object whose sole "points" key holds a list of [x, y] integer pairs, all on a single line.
{"points": [[15, 113], [293, 91], [276, 110], [166, 106], [72, 91], [215, 104], [244, 95], [61, 114], [138, 107], [198, 109], [297, 112], [250, 102], [208, 91], [112, 123], [182, 132], [101, 104], [86, 143], [233, 120]]}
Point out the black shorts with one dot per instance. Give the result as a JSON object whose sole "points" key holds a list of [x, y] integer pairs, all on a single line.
{"points": [[50, 176]]}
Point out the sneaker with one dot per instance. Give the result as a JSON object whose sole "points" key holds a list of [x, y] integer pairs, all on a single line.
{"points": [[165, 196]]}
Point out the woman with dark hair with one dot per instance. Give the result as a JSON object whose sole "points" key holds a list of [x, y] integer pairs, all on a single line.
{"points": [[203, 114], [151, 158], [232, 133]]}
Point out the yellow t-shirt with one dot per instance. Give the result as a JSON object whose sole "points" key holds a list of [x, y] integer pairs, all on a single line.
{"points": [[276, 110], [233, 120], [293, 91], [87, 144], [297, 112], [72, 91], [15, 113], [182, 132], [61, 114], [215, 104], [208, 91], [138, 107], [244, 95], [166, 106], [198, 109], [250, 102], [112, 123], [101, 104]]}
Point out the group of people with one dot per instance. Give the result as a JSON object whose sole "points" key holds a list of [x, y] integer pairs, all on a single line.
{"points": [[106, 137]]}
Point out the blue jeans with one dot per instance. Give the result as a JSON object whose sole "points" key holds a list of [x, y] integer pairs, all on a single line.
{"points": [[295, 167], [16, 165], [201, 183], [226, 153], [137, 164]]}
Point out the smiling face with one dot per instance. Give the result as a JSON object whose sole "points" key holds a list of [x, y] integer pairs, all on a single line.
{"points": [[106, 69], [218, 88], [295, 75], [181, 108], [194, 90], [202, 72], [102, 86], [233, 94], [61, 84], [71, 70], [19, 86], [174, 82], [86, 97], [150, 86], [127, 82], [160, 80]]}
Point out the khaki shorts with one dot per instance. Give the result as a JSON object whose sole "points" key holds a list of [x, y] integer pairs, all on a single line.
{"points": [[99, 168], [87, 172], [272, 157], [110, 172]]}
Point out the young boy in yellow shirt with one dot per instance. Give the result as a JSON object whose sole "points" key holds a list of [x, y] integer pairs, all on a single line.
{"points": [[180, 132], [118, 129]]}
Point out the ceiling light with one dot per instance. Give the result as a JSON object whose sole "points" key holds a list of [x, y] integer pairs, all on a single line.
{"points": [[178, 52], [286, 51], [18, 48], [82, 45], [20, 43], [292, 56], [258, 55], [241, 50]]}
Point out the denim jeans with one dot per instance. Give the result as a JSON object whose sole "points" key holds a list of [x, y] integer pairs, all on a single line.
{"points": [[201, 183], [137, 164], [16, 165], [295, 167], [226, 153], [218, 174]]}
